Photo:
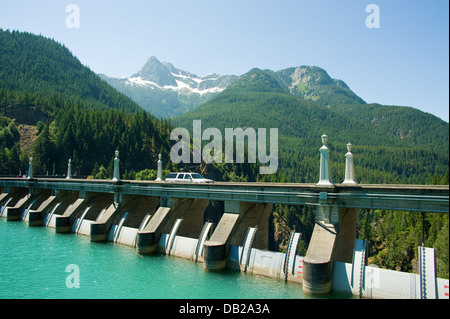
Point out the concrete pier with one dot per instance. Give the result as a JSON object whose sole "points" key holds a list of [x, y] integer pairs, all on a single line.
{"points": [[63, 222], [332, 240], [61, 201], [318, 263], [36, 215], [88, 212], [215, 249], [137, 207], [129, 218], [346, 234], [232, 229], [190, 210], [253, 215], [100, 227], [147, 239], [14, 203]]}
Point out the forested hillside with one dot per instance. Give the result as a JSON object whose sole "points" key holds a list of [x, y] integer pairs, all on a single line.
{"points": [[314, 83], [73, 113], [36, 70]]}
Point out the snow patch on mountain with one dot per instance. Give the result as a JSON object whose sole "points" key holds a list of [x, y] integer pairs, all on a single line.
{"points": [[191, 84], [162, 75]]}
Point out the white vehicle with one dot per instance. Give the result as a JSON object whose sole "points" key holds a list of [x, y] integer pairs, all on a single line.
{"points": [[187, 178]]}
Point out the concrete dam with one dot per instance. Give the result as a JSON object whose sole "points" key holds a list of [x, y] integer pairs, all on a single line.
{"points": [[170, 218], [155, 216], [173, 226]]}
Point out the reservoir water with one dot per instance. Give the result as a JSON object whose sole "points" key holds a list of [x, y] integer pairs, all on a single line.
{"points": [[37, 263]]}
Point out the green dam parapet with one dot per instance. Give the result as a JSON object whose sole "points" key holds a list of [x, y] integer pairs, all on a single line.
{"points": [[423, 198]]}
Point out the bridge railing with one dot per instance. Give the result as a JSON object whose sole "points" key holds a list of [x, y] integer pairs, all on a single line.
{"points": [[422, 198]]}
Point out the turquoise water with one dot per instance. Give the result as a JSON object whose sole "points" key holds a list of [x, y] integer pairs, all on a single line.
{"points": [[33, 262]]}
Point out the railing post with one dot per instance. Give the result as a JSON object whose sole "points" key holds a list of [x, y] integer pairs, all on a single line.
{"points": [[159, 175], [325, 169], [69, 169], [349, 169], [30, 168], [116, 176]]}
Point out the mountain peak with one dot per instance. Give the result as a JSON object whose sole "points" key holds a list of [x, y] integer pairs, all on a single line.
{"points": [[314, 83], [155, 71], [257, 80], [164, 90]]}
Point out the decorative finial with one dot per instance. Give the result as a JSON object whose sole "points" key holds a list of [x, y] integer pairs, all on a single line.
{"points": [[30, 168], [349, 169], [325, 168], [159, 172], [324, 139], [69, 169], [116, 174]]}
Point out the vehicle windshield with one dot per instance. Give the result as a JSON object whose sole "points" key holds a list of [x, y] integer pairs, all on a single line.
{"points": [[197, 176]]}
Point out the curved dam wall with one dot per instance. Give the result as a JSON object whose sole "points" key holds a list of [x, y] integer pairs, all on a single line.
{"points": [[239, 240], [173, 226]]}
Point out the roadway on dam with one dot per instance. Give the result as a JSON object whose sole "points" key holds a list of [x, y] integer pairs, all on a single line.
{"points": [[424, 198]]}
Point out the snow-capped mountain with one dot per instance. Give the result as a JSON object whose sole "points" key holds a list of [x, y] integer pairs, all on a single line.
{"points": [[166, 91]]}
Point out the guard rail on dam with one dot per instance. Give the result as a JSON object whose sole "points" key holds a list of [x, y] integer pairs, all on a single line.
{"points": [[170, 218]]}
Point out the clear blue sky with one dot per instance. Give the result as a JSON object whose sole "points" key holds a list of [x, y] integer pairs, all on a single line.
{"points": [[403, 62]]}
